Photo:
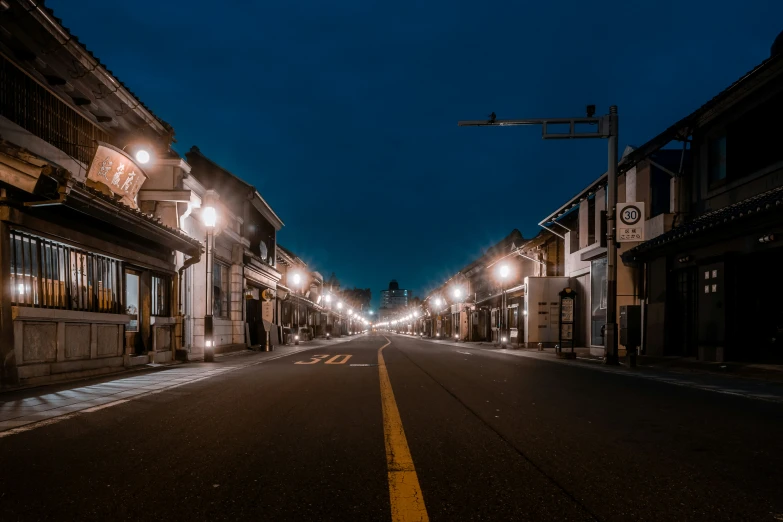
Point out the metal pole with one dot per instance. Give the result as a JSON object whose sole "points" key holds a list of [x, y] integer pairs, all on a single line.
{"points": [[610, 339], [209, 351]]}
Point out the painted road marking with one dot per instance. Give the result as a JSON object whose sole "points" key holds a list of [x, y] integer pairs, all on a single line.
{"points": [[356, 364], [407, 501], [334, 360], [464, 353], [315, 359]]}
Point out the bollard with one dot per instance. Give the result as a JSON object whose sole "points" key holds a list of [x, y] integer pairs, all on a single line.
{"points": [[631, 352]]}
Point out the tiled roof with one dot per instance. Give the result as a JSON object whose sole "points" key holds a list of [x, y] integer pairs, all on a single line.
{"points": [[72, 37], [135, 211], [764, 203], [759, 74]]}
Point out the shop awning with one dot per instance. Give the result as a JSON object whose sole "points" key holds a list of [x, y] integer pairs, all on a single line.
{"points": [[716, 221]]}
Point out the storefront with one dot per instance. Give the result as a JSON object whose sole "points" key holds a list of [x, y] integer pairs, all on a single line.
{"points": [[89, 280], [260, 293]]}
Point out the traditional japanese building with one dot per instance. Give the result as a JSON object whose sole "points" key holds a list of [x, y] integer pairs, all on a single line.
{"points": [[89, 278], [711, 284], [244, 273]]}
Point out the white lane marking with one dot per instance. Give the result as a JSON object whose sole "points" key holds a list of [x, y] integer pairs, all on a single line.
{"points": [[464, 353]]}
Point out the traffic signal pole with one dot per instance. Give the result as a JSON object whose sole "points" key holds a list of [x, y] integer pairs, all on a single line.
{"points": [[605, 127]]}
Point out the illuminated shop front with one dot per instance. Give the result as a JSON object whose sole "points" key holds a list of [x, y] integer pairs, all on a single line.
{"points": [[89, 281]]}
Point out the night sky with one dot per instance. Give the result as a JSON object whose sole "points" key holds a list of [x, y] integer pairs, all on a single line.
{"points": [[344, 114]]}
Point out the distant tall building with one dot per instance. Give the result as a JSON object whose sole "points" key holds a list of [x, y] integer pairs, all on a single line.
{"points": [[394, 297]]}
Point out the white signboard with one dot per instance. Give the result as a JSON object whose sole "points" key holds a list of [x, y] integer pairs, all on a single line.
{"points": [[568, 311], [630, 222], [567, 331]]}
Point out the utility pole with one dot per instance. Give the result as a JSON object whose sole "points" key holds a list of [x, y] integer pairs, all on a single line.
{"points": [[582, 128]]}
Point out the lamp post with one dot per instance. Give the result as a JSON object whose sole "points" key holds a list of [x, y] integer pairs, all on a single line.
{"points": [[210, 218], [606, 126], [340, 315], [503, 272], [438, 303], [328, 306], [296, 281]]}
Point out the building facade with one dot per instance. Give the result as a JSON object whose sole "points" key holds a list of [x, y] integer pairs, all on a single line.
{"points": [[711, 282], [580, 225], [89, 277]]}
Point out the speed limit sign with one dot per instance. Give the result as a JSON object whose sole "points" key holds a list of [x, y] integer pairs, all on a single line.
{"points": [[630, 222]]}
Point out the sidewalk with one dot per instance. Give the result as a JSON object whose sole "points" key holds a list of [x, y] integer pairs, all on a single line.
{"points": [[22, 409], [760, 382], [765, 372]]}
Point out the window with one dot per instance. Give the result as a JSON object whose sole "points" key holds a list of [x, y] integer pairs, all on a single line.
{"points": [[26, 103], [160, 295], [132, 299], [717, 160], [591, 220], [47, 274], [220, 288], [660, 187], [598, 300]]}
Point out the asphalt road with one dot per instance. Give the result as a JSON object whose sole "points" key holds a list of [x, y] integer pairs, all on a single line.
{"points": [[492, 437]]}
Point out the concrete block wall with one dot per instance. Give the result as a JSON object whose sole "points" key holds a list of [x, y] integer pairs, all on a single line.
{"points": [[55, 344]]}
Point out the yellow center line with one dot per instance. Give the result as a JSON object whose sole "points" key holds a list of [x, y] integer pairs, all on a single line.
{"points": [[407, 502]]}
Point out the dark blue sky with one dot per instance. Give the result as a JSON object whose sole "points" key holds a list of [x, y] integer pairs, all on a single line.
{"points": [[344, 114]]}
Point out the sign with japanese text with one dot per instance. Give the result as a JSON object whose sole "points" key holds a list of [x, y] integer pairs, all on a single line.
{"points": [[116, 170], [630, 222]]}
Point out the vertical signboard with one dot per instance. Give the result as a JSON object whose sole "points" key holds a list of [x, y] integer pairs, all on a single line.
{"points": [[567, 318]]}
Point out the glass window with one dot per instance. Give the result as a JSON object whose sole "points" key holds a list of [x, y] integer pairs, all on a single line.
{"points": [[598, 300], [717, 159], [49, 274], [220, 288], [132, 300], [591, 220], [160, 295]]}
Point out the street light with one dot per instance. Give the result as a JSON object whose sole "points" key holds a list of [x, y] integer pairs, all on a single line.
{"points": [[503, 271], [142, 156], [296, 280], [209, 217]]}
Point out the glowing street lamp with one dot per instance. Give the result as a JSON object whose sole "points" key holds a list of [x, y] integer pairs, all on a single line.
{"points": [[209, 216], [143, 156], [503, 271]]}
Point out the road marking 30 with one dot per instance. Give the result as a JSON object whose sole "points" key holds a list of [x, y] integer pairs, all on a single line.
{"points": [[315, 359], [407, 501]]}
